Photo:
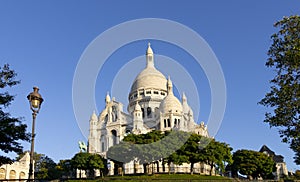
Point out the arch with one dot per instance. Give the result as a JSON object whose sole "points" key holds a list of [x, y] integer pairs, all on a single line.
{"points": [[114, 137], [2, 173], [12, 174], [22, 176], [149, 112]]}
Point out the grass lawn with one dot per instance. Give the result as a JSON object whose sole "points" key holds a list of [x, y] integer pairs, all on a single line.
{"points": [[161, 177]]}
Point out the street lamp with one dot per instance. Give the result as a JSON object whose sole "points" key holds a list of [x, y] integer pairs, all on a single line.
{"points": [[35, 101]]}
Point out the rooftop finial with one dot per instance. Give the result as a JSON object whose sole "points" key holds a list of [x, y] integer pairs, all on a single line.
{"points": [[170, 86], [149, 56], [149, 49], [107, 98]]}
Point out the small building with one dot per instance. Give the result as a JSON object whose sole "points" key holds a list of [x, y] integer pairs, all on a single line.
{"points": [[17, 170], [281, 169]]}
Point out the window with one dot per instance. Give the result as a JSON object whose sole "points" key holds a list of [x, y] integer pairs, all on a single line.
{"points": [[22, 176], [102, 147], [141, 93], [2, 173], [175, 122], [114, 136], [155, 92], [149, 112], [161, 93], [169, 123], [165, 123], [12, 174], [143, 113], [148, 92]]}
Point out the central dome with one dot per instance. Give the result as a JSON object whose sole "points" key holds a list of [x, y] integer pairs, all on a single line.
{"points": [[150, 77]]}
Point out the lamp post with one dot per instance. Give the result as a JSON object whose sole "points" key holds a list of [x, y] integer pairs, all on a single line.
{"points": [[35, 100]]}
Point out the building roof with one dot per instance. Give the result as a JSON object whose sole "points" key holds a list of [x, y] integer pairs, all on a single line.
{"points": [[276, 158]]}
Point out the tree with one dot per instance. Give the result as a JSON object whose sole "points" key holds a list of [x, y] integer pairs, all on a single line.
{"points": [[96, 161], [284, 97], [253, 164], [64, 168], [191, 151], [217, 155], [11, 128], [88, 162], [44, 167], [80, 161]]}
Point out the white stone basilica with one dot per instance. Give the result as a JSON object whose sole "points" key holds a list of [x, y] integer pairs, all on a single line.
{"points": [[152, 106]]}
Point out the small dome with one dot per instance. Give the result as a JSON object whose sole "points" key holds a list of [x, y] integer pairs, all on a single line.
{"points": [[170, 103]]}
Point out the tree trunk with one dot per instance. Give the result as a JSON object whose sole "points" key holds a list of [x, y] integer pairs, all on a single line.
{"points": [[192, 168], [211, 168], [169, 166], [145, 168]]}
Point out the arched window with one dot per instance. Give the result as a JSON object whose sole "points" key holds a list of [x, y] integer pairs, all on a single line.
{"points": [[102, 147], [149, 112], [165, 123], [175, 122], [22, 176], [169, 123], [12, 174], [143, 113], [114, 136], [2, 173]]}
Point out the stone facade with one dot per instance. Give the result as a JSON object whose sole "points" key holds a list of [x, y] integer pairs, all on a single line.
{"points": [[17, 170], [152, 106], [281, 169]]}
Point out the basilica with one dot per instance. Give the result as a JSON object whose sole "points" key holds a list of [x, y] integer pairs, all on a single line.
{"points": [[152, 106]]}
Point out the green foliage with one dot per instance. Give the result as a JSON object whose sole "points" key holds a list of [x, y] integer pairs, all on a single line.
{"points": [[161, 177], [253, 164], [284, 97], [147, 148], [44, 167], [88, 162], [297, 174], [176, 147], [64, 168], [217, 154], [12, 130]]}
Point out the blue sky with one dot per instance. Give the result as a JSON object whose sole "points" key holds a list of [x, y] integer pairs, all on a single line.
{"points": [[44, 40]]}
